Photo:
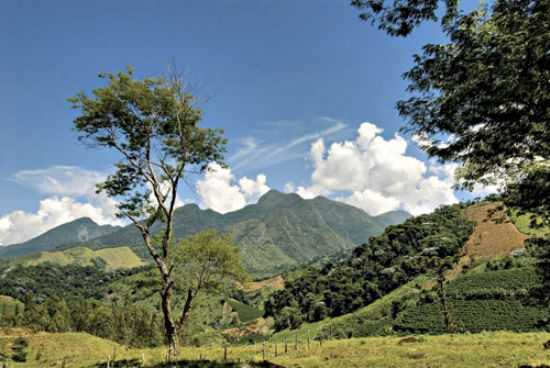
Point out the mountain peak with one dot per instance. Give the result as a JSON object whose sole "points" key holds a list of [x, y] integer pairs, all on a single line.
{"points": [[275, 198]]}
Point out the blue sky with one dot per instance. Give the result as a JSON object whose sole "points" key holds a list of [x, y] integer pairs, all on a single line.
{"points": [[276, 75]]}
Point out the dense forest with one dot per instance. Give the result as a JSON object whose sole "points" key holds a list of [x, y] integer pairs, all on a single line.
{"points": [[55, 298], [390, 260]]}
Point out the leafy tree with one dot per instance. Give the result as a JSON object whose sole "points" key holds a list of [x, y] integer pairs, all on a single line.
{"points": [[441, 266], [399, 17], [487, 90], [206, 261], [155, 127]]}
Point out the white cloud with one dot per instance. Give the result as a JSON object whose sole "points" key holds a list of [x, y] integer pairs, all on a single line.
{"points": [[219, 191], [20, 226], [376, 174], [71, 195]]}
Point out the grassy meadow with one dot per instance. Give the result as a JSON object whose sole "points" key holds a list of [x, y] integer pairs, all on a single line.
{"points": [[496, 349]]}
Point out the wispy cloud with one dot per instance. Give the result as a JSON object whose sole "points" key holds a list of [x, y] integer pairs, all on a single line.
{"points": [[254, 154], [248, 145]]}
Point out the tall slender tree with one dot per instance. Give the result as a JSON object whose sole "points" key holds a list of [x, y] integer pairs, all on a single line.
{"points": [[154, 126]]}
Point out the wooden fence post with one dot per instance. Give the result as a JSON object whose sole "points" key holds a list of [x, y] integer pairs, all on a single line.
{"points": [[225, 353], [286, 346], [263, 351], [308, 341], [296, 341], [275, 350]]}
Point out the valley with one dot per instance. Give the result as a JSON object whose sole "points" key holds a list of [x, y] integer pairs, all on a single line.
{"points": [[485, 292]]}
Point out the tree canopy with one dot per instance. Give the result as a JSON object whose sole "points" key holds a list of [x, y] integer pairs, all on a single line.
{"points": [[400, 17], [206, 261], [482, 99]]}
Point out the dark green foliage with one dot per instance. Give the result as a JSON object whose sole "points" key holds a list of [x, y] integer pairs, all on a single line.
{"points": [[69, 281], [514, 279], [488, 88], [387, 262], [400, 17], [532, 194], [472, 316], [540, 248], [123, 322], [19, 350]]}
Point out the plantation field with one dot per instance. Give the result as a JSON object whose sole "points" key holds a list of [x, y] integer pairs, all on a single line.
{"points": [[473, 316], [511, 280], [502, 349]]}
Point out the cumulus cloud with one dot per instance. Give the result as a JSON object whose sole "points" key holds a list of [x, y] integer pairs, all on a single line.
{"points": [[221, 192], [20, 226], [70, 195], [376, 174]]}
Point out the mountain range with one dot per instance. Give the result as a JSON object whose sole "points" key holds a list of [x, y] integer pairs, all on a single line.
{"points": [[278, 232]]}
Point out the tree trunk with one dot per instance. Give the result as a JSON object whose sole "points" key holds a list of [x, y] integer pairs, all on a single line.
{"points": [[169, 324], [447, 318]]}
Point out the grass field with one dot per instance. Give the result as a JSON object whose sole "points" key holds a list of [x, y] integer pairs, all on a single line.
{"points": [[114, 258], [501, 349]]}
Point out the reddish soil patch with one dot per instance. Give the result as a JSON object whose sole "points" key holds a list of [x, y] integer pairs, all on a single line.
{"points": [[494, 235], [275, 283]]}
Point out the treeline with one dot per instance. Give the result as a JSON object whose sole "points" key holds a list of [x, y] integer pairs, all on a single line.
{"points": [[397, 256], [123, 322], [76, 298], [70, 281]]}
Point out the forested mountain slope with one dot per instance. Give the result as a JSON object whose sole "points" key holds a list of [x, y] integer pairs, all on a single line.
{"points": [[400, 254], [280, 231]]}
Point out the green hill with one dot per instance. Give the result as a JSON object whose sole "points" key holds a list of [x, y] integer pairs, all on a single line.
{"points": [[111, 258], [279, 232], [80, 230], [388, 261]]}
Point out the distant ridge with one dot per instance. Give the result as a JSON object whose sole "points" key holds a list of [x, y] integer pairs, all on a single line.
{"points": [[79, 230], [280, 231]]}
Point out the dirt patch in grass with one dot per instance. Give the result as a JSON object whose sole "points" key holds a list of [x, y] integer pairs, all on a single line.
{"points": [[494, 235], [275, 283]]}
